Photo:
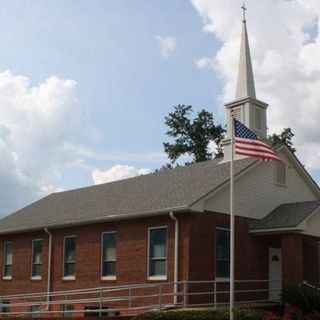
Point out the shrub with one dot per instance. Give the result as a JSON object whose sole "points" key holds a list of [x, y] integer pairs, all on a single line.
{"points": [[304, 298], [207, 314], [312, 316]]}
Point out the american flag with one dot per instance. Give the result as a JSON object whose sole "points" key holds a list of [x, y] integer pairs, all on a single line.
{"points": [[247, 143]]}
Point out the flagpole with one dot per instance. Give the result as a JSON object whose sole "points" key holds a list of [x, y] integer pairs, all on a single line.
{"points": [[231, 307]]}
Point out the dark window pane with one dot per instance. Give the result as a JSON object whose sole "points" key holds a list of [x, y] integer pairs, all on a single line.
{"points": [[222, 253], [37, 251], [158, 252], [36, 270], [110, 247], [223, 269], [109, 254], [69, 269], [8, 253], [69, 249], [36, 258], [158, 243], [109, 269], [158, 268], [7, 271]]}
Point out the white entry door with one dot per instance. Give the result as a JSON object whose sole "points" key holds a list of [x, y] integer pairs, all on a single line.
{"points": [[275, 274]]}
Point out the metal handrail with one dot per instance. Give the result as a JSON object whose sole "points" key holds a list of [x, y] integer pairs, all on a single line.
{"points": [[125, 294]]}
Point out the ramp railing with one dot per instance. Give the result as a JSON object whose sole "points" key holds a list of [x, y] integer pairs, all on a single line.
{"points": [[136, 298]]}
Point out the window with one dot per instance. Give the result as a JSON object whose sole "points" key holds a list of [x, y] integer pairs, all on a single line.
{"points": [[94, 311], [258, 119], [36, 258], [69, 257], [4, 308], [222, 253], [35, 311], [67, 310], [8, 254], [109, 255], [157, 252], [280, 173]]}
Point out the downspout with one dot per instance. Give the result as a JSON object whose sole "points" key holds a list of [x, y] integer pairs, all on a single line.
{"points": [[176, 256], [49, 268]]}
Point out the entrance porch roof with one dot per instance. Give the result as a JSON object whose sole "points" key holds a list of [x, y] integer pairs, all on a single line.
{"points": [[286, 217]]}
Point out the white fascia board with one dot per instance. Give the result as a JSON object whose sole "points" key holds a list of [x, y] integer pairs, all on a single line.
{"points": [[275, 230]]}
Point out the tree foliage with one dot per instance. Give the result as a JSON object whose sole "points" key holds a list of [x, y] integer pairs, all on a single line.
{"points": [[192, 136], [284, 137]]}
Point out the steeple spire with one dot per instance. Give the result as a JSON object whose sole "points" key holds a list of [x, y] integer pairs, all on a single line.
{"points": [[246, 108], [245, 85]]}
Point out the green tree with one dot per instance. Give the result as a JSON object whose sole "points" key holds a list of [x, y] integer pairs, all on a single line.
{"points": [[192, 136], [284, 137]]}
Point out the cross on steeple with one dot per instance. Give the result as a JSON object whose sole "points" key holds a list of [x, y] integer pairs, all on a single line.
{"points": [[244, 9]]}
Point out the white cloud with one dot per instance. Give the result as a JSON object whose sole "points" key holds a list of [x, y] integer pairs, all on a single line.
{"points": [[35, 124], [167, 45], [117, 172], [205, 62], [285, 47]]}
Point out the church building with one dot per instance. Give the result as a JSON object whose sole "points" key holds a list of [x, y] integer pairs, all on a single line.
{"points": [[162, 240]]}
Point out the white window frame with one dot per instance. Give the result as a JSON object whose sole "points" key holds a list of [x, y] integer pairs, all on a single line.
{"points": [[215, 255], [101, 273], [276, 164], [5, 277], [63, 261], [165, 277], [32, 250]]}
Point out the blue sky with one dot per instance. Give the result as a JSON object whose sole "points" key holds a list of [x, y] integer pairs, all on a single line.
{"points": [[109, 49], [122, 85]]}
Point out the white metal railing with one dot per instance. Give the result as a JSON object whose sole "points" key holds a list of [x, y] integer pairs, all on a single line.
{"points": [[308, 285], [136, 298]]}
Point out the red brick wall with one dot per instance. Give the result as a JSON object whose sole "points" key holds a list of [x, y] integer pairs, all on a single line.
{"points": [[131, 253], [251, 258], [292, 258], [311, 260], [21, 269], [196, 253], [131, 264]]}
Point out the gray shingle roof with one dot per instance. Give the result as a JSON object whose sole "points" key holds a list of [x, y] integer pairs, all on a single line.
{"points": [[287, 215], [157, 192]]}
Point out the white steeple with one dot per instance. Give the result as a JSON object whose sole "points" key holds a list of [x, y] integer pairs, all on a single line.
{"points": [[245, 85], [246, 107]]}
